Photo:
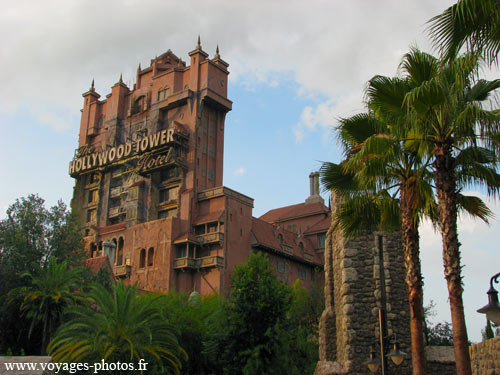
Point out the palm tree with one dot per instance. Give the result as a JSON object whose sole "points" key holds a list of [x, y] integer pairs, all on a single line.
{"points": [[474, 23], [380, 177], [387, 168], [49, 294], [457, 132], [118, 326]]}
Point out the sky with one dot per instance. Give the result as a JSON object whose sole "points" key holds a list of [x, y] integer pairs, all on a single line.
{"points": [[295, 68]]}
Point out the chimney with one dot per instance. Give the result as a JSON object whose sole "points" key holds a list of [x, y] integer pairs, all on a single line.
{"points": [[314, 196]]}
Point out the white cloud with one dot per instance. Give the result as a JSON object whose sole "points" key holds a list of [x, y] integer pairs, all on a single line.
{"points": [[51, 50], [240, 171]]}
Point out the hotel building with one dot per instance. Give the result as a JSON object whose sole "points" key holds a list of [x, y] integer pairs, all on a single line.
{"points": [[148, 190]]}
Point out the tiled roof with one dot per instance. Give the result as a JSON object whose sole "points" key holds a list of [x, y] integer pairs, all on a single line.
{"points": [[266, 234], [95, 264], [208, 218], [321, 226], [293, 211]]}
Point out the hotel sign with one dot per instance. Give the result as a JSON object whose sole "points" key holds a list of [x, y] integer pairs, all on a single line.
{"points": [[87, 158]]}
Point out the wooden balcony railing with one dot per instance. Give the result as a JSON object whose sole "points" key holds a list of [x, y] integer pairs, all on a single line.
{"points": [[211, 237], [121, 271]]}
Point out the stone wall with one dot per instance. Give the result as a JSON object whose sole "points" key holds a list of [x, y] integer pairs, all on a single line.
{"points": [[359, 274], [485, 357], [440, 360]]}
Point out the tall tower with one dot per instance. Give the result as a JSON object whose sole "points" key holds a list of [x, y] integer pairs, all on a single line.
{"points": [[144, 155]]}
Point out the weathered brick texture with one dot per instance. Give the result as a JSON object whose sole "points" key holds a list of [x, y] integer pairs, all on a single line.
{"points": [[485, 357]]}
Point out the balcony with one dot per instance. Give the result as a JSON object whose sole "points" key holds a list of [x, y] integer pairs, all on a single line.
{"points": [[121, 271], [211, 237], [287, 249], [115, 211], [195, 263], [183, 263], [308, 257], [211, 261], [115, 192]]}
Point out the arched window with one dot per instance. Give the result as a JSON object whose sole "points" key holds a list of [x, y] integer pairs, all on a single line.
{"points": [[119, 256], [93, 250], [151, 253], [301, 247], [142, 258], [280, 238]]}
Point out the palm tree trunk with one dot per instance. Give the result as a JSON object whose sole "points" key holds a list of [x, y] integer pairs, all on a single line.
{"points": [[413, 278], [447, 200]]}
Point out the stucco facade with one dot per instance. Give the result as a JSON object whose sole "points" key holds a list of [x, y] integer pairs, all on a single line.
{"points": [[149, 178]]}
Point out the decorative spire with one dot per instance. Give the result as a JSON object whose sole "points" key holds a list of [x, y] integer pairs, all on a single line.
{"points": [[217, 56], [92, 85], [139, 67], [121, 78], [198, 46]]}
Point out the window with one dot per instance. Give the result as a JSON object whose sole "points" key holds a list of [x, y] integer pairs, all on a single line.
{"points": [[119, 254], [292, 228], [203, 171], [92, 196], [169, 194], [93, 250], [205, 124], [167, 213], [142, 258], [280, 266], [280, 238], [212, 130], [212, 227], [151, 253], [204, 147], [162, 94], [301, 247], [199, 229], [180, 251], [210, 174], [169, 173], [211, 151], [321, 241], [301, 273], [92, 216]]}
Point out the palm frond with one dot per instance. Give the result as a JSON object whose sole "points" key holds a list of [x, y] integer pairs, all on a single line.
{"points": [[475, 207]]}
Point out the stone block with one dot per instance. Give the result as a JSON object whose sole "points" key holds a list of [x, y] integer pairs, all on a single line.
{"points": [[350, 252], [349, 275]]}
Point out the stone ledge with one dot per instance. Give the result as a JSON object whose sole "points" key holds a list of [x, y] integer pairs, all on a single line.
{"points": [[443, 354]]}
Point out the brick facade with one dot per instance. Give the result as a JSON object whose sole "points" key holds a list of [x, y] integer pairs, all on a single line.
{"points": [[148, 179]]}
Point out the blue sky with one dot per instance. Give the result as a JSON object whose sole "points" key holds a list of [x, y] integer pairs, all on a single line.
{"points": [[295, 68]]}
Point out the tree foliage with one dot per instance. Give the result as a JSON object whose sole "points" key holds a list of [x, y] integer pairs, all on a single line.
{"points": [[29, 236], [45, 299], [118, 326], [260, 337], [473, 23]]}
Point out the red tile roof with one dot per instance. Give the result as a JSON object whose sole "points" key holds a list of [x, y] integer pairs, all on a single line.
{"points": [[266, 234], [293, 211], [321, 226], [210, 217]]}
